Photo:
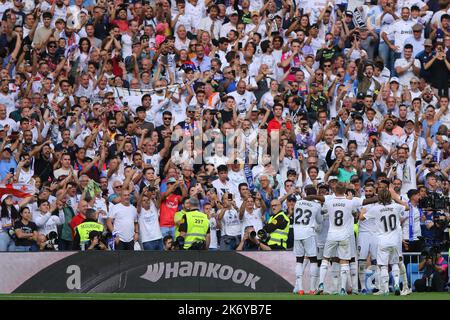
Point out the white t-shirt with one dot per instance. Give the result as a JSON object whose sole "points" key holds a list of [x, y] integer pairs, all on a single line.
{"points": [[149, 224], [387, 222], [231, 225], [124, 218], [307, 216], [47, 223], [417, 232], [242, 101], [361, 138], [340, 214], [213, 244], [252, 219], [405, 77]]}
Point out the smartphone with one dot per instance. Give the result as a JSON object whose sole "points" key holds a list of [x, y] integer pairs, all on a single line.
{"points": [[230, 196], [11, 170]]}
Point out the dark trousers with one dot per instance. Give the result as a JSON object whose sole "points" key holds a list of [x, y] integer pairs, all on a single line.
{"points": [[64, 245], [414, 246], [436, 284], [125, 245]]}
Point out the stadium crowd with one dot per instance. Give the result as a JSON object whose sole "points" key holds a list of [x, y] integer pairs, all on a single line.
{"points": [[129, 114]]}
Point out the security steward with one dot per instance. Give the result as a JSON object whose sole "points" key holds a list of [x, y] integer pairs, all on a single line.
{"points": [[277, 227], [194, 228], [82, 230]]}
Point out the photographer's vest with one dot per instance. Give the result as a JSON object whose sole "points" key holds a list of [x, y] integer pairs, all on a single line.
{"points": [[197, 228], [85, 228], [279, 236]]}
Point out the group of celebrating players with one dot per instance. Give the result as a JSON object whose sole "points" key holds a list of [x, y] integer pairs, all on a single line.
{"points": [[324, 233]]}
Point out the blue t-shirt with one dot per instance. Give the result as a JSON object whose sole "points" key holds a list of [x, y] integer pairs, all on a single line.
{"points": [[5, 166]]}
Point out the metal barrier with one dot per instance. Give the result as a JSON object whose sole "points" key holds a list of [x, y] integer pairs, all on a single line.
{"points": [[411, 261]]}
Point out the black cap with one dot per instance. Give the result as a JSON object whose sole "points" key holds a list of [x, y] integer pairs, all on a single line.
{"points": [[291, 198]]}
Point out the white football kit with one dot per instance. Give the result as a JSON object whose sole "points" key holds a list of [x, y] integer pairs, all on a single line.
{"points": [[341, 220], [307, 217], [367, 239], [388, 231]]}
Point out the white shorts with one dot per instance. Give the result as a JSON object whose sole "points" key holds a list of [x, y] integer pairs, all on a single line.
{"points": [[306, 247], [367, 243], [340, 249], [387, 255]]}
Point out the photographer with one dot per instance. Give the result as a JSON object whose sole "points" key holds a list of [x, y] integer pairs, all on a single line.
{"points": [[434, 268], [250, 242], [96, 241], [83, 239]]}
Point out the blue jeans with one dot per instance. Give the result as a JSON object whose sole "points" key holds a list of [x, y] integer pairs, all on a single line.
{"points": [[388, 57], [6, 243], [64, 245], [153, 245], [23, 248], [229, 243], [168, 231]]}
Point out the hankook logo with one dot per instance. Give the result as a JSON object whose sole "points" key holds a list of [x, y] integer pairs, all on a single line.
{"points": [[202, 269]]}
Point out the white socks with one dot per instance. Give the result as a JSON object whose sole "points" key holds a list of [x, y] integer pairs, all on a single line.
{"points": [[345, 270], [314, 271], [323, 270], [335, 274], [403, 274], [384, 278], [396, 274], [362, 274], [354, 275], [299, 276]]}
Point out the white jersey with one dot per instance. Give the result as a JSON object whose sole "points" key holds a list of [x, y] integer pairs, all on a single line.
{"points": [[307, 215], [387, 222], [340, 214], [231, 225], [367, 225]]}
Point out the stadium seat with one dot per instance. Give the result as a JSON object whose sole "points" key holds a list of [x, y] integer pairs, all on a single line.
{"points": [[412, 270]]}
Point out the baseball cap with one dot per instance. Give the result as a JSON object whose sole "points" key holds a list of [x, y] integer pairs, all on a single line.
{"points": [[332, 178], [233, 13], [417, 27], [428, 42], [255, 13], [5, 196], [191, 108], [394, 79], [349, 13], [291, 198], [255, 109]]}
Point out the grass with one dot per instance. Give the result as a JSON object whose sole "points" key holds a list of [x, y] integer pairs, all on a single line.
{"points": [[213, 296]]}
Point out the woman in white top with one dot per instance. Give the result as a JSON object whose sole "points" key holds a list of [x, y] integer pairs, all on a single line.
{"points": [[251, 215], [48, 218], [268, 98], [149, 230]]}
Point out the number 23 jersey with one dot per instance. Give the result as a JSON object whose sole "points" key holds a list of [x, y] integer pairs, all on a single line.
{"points": [[341, 218], [307, 215]]}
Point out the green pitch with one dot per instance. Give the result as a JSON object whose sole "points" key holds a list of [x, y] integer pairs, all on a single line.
{"points": [[214, 296]]}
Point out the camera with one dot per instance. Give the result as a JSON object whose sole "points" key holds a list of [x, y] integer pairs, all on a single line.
{"points": [[52, 241], [434, 201], [178, 244], [252, 235], [263, 235]]}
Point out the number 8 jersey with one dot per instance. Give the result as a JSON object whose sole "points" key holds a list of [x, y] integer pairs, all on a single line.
{"points": [[307, 216], [341, 218]]}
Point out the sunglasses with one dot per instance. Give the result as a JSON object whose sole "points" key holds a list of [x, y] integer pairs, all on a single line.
{"points": [[52, 46], [167, 118], [118, 187]]}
